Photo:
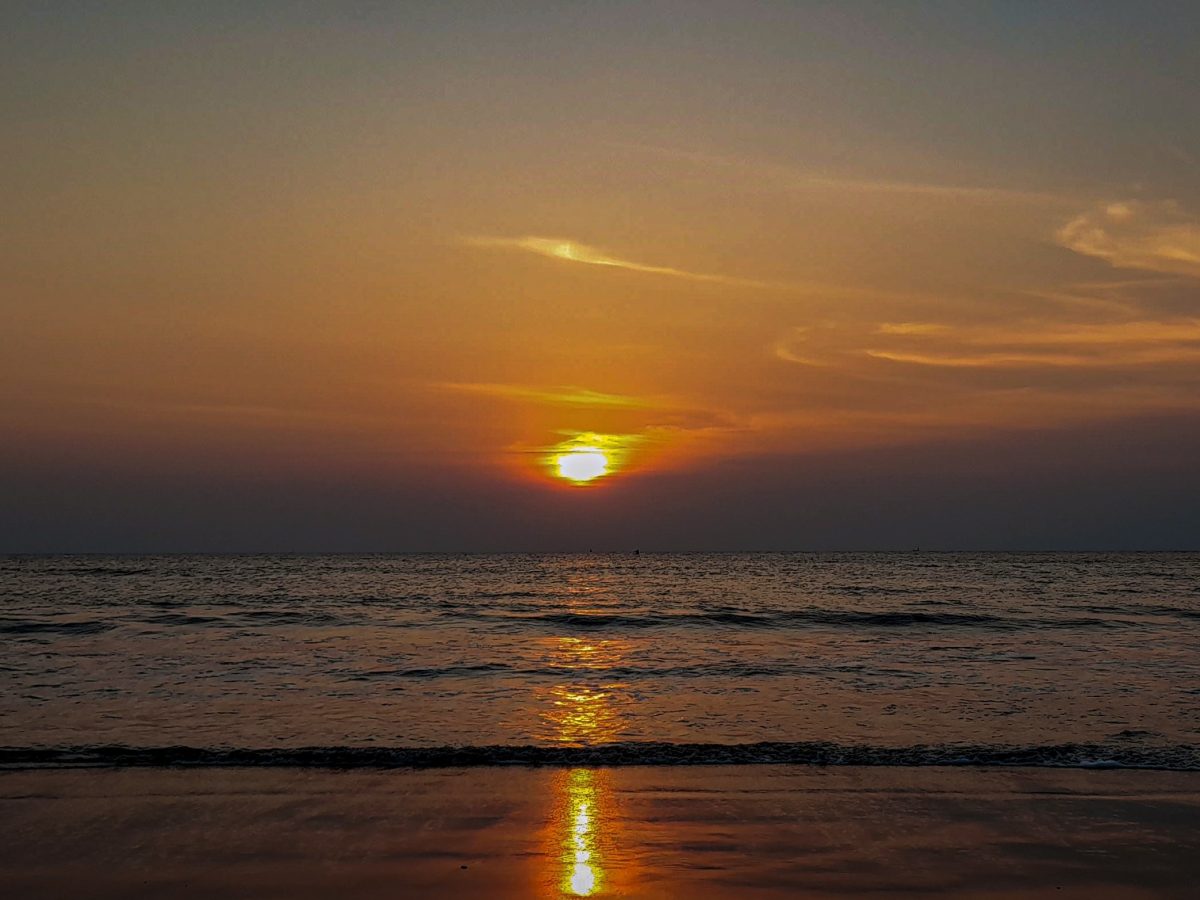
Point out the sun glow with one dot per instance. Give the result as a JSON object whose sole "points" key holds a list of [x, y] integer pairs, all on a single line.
{"points": [[587, 456], [583, 464]]}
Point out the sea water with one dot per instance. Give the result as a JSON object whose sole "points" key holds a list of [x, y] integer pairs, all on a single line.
{"points": [[913, 658]]}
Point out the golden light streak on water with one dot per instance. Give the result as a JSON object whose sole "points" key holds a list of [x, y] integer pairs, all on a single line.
{"points": [[586, 709]]}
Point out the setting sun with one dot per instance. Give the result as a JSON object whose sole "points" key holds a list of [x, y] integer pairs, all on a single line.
{"points": [[584, 464], [586, 456]]}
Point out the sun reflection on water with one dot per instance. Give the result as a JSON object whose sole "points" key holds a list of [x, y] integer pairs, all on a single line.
{"points": [[585, 707], [581, 715]]}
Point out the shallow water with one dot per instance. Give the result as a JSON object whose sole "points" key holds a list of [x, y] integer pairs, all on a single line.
{"points": [[1097, 655]]}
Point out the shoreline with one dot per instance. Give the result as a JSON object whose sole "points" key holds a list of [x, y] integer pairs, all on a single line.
{"points": [[1086, 756]]}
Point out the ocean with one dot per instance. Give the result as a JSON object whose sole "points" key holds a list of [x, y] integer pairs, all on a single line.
{"points": [[1078, 660]]}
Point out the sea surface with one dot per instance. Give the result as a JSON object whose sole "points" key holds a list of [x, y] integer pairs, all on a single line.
{"points": [[425, 660]]}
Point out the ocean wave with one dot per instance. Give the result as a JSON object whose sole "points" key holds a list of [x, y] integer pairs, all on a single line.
{"points": [[289, 617], [182, 620], [426, 673], [42, 626], [1138, 609], [872, 589], [778, 618], [237, 618], [33, 567], [799, 753], [617, 673]]}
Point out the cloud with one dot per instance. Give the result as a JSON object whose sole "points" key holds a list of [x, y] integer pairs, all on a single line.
{"points": [[648, 422], [861, 382], [1108, 345], [561, 396], [573, 251], [912, 328], [1158, 237], [797, 178], [987, 193]]}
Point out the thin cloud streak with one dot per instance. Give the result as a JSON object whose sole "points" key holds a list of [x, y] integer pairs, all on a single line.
{"points": [[658, 413], [790, 177], [573, 251], [998, 360], [562, 396], [1098, 346]]}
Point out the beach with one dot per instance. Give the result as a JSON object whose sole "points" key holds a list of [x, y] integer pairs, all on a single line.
{"points": [[539, 726], [638, 831], [672, 450]]}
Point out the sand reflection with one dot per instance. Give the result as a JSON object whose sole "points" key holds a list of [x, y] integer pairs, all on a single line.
{"points": [[584, 708], [582, 864], [584, 837]]}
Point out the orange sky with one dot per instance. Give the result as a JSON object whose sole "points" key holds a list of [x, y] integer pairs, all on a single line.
{"points": [[447, 238]]}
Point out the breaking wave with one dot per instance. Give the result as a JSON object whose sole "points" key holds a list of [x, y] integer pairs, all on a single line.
{"points": [[797, 753], [814, 617], [43, 626]]}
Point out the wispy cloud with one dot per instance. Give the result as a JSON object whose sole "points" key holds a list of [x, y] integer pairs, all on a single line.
{"points": [[985, 193], [560, 396], [798, 178], [912, 328], [1037, 345], [659, 415], [1158, 237], [573, 251], [869, 381]]}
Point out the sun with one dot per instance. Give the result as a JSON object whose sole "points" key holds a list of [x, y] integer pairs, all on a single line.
{"points": [[587, 457], [582, 464]]}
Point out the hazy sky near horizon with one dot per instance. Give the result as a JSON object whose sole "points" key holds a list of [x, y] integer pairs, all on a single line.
{"points": [[341, 276]]}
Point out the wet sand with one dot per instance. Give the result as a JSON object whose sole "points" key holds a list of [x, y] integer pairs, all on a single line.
{"points": [[696, 832]]}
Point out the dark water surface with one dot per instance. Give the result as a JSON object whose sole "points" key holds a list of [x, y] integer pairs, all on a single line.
{"points": [[915, 658]]}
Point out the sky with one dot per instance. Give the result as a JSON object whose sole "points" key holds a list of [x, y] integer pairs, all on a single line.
{"points": [[358, 276]]}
